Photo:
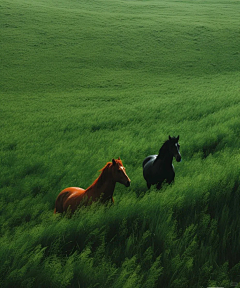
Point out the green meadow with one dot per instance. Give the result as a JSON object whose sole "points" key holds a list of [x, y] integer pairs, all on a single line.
{"points": [[85, 81]]}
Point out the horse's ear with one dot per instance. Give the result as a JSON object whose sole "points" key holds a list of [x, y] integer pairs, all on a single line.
{"points": [[113, 161], [177, 137], [119, 158], [169, 137]]}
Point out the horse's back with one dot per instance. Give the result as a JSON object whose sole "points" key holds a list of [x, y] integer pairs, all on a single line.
{"points": [[73, 190], [150, 158], [70, 196], [149, 170]]}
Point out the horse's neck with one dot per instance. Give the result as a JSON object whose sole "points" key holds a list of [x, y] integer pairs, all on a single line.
{"points": [[103, 186], [163, 156]]}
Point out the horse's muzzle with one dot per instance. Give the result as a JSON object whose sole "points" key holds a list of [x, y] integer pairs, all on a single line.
{"points": [[128, 183], [178, 158]]}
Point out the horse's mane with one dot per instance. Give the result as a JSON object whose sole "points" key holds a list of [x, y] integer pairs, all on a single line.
{"points": [[104, 172], [163, 148]]}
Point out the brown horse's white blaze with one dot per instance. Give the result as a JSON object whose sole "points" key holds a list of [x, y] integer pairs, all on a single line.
{"points": [[102, 188]]}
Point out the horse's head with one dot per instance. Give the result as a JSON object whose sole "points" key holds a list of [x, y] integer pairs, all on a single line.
{"points": [[119, 173], [174, 148]]}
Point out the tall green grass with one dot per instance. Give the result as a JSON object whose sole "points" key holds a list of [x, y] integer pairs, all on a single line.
{"points": [[83, 82]]}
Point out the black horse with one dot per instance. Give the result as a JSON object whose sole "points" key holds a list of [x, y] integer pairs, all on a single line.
{"points": [[157, 168]]}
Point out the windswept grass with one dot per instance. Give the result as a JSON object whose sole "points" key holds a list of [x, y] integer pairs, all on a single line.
{"points": [[87, 81]]}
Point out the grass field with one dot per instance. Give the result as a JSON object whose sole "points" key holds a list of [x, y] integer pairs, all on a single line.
{"points": [[86, 81]]}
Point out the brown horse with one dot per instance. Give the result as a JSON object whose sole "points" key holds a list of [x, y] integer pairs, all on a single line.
{"points": [[101, 189]]}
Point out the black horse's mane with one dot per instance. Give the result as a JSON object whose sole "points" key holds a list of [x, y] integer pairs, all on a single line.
{"points": [[163, 149]]}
